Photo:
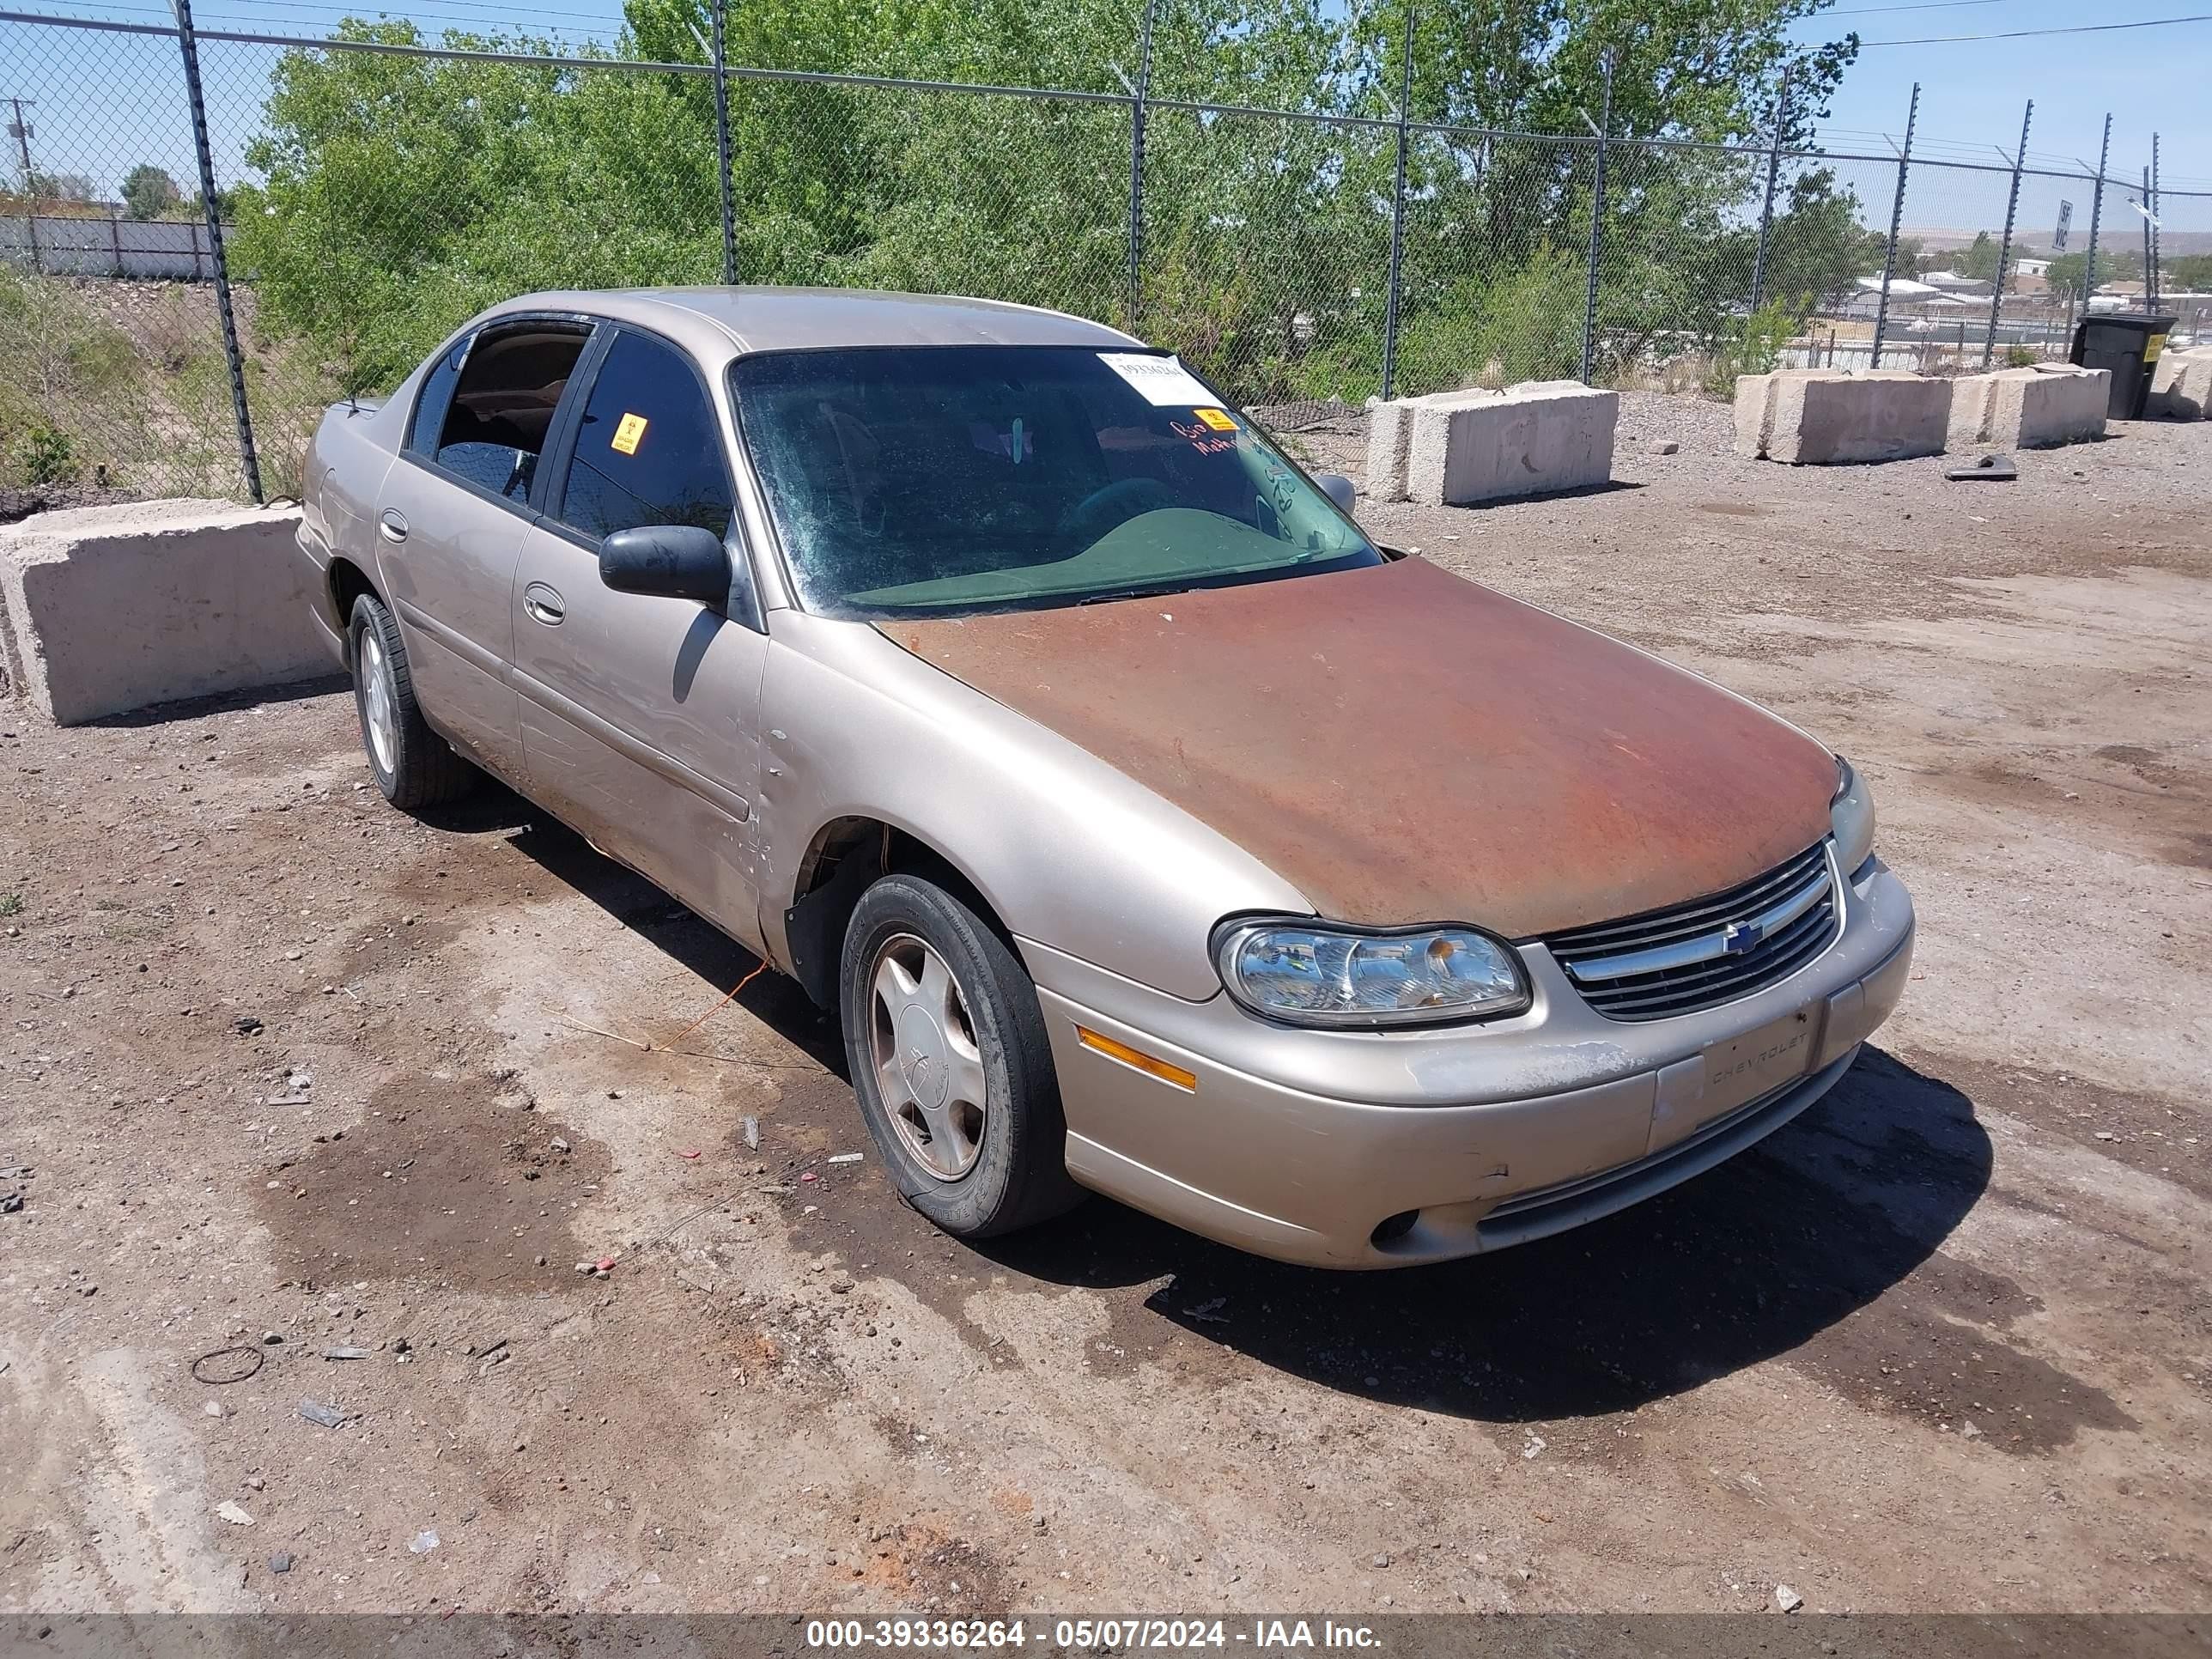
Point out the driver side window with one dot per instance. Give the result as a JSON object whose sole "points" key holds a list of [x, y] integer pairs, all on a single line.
{"points": [[485, 407], [647, 449]]}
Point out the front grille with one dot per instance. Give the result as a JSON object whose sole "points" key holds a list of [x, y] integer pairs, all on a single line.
{"points": [[1709, 952]]}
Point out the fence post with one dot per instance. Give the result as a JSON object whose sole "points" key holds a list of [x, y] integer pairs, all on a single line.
{"points": [[1137, 166], [1767, 210], [1597, 224], [189, 47], [1896, 219], [2150, 277], [115, 239], [2096, 212], [2004, 248], [722, 145], [1398, 216]]}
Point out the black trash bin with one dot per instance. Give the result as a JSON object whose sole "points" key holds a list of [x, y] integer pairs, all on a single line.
{"points": [[2128, 344]]}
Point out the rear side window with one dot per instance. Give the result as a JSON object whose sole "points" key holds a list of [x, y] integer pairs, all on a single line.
{"points": [[487, 405], [647, 449]]}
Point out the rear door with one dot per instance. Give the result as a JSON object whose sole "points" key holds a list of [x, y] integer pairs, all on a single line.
{"points": [[639, 713], [452, 516]]}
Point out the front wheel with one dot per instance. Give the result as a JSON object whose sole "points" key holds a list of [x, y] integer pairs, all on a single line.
{"points": [[951, 1063], [412, 764]]}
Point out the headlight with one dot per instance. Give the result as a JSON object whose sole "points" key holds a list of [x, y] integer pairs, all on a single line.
{"points": [[1310, 975], [1850, 815]]}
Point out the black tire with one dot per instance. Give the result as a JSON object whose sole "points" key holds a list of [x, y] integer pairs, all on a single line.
{"points": [[412, 764], [1018, 1177]]}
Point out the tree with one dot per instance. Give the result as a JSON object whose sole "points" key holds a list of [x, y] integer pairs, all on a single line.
{"points": [[60, 186], [2186, 273], [148, 192], [1979, 261], [403, 192]]}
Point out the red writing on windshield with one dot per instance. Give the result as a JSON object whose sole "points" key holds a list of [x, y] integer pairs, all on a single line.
{"points": [[1204, 441]]}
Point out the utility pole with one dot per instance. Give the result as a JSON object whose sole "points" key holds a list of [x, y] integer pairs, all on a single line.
{"points": [[2150, 249], [1766, 209], [21, 132], [2152, 278]]}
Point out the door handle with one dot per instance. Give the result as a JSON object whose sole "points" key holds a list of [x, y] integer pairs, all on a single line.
{"points": [[392, 526], [543, 604]]}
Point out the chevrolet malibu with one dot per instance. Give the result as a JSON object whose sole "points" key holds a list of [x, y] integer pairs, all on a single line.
{"points": [[1150, 830]]}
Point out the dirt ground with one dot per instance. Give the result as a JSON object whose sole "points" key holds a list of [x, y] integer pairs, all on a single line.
{"points": [[287, 1074]]}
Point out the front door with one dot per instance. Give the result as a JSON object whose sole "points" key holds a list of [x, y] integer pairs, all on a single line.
{"points": [[639, 713]]}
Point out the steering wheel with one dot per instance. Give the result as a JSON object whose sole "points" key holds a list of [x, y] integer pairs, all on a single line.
{"points": [[1113, 504]]}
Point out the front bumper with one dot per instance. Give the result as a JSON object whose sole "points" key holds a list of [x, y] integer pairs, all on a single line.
{"points": [[1299, 1144]]}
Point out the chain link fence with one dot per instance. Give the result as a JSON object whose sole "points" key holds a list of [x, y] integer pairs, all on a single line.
{"points": [[369, 192]]}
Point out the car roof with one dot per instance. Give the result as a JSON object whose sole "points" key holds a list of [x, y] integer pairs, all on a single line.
{"points": [[722, 322]]}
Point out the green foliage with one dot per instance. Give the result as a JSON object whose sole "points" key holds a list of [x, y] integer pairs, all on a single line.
{"points": [[2187, 273], [148, 192], [401, 193], [1979, 260], [58, 186], [142, 402], [44, 454], [11, 904], [1752, 346], [2020, 357]]}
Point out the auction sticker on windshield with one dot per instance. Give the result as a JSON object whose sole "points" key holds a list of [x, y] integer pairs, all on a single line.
{"points": [[1163, 382]]}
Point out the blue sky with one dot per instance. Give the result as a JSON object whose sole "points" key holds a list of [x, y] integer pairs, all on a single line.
{"points": [[120, 92], [1974, 91]]}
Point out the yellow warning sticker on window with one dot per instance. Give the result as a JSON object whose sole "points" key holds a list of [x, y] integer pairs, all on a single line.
{"points": [[630, 431], [1216, 419]]}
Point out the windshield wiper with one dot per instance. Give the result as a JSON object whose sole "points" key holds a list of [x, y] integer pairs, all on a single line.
{"points": [[1131, 593]]}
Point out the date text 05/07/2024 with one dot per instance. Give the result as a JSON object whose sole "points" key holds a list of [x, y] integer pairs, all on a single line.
{"points": [[1131, 1633]]}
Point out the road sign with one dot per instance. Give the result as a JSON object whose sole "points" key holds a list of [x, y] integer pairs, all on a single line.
{"points": [[2065, 218]]}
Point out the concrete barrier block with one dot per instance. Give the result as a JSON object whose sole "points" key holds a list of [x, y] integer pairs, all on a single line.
{"points": [[106, 609], [1532, 438], [2035, 408], [2181, 385], [1830, 416], [1754, 413], [1389, 433]]}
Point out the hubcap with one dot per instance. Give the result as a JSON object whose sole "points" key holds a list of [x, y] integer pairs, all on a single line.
{"points": [[376, 702], [927, 1065]]}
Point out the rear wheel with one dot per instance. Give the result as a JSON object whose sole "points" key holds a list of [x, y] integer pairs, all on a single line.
{"points": [[951, 1063], [412, 764]]}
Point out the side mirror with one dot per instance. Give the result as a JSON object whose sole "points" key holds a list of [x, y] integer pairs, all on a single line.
{"points": [[1339, 489], [675, 561]]}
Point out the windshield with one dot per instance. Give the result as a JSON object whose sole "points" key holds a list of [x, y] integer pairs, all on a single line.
{"points": [[956, 478]]}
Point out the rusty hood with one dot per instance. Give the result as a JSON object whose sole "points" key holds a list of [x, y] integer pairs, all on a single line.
{"points": [[1406, 746]]}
